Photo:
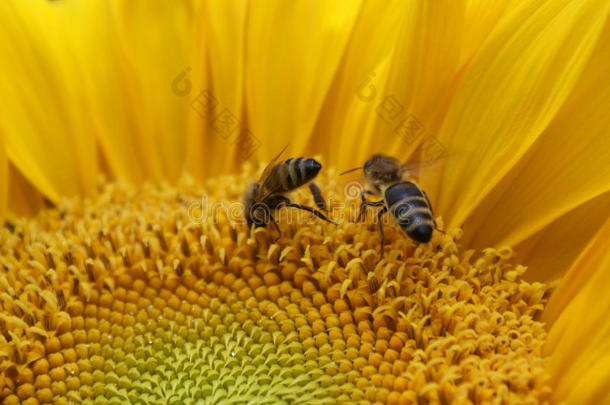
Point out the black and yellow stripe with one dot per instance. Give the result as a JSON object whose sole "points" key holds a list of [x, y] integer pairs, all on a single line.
{"points": [[293, 173], [411, 209]]}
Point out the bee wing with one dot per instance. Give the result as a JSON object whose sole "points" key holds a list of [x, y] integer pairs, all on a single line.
{"points": [[270, 166], [415, 166], [426, 161], [269, 184]]}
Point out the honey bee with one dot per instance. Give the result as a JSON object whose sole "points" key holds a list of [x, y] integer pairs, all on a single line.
{"points": [[267, 195], [407, 203]]}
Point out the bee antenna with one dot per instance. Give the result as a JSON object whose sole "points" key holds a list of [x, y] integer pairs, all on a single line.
{"points": [[350, 170]]}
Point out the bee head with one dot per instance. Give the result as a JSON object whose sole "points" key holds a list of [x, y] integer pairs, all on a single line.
{"points": [[381, 169], [255, 212]]}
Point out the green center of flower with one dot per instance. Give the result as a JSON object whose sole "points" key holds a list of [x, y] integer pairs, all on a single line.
{"points": [[128, 298]]}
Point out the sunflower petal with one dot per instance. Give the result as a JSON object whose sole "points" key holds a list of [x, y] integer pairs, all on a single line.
{"points": [[425, 66], [579, 338], [134, 69], [383, 95], [414, 88], [565, 168], [349, 108], [46, 137], [481, 18], [549, 252], [217, 103], [290, 66], [508, 95]]}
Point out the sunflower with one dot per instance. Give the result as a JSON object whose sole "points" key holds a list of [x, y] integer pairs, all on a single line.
{"points": [[128, 131]]}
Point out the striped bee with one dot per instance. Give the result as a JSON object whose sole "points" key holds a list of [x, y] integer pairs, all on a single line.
{"points": [[269, 193], [407, 203]]}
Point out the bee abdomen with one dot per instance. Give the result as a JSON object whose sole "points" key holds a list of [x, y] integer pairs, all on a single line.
{"points": [[298, 171], [410, 209]]}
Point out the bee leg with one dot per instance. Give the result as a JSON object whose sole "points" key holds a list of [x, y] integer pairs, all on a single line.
{"points": [[365, 203], [317, 196], [380, 224], [363, 192], [276, 225], [437, 228], [309, 209]]}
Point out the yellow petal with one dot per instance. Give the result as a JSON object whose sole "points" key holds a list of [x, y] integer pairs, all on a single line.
{"points": [[579, 338], [394, 81], [23, 197], [509, 93], [293, 51], [349, 112], [424, 67], [396, 78], [566, 167], [45, 123], [218, 131], [481, 18], [549, 253], [133, 55]]}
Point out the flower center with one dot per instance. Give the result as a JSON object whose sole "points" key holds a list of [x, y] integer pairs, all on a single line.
{"points": [[158, 295]]}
